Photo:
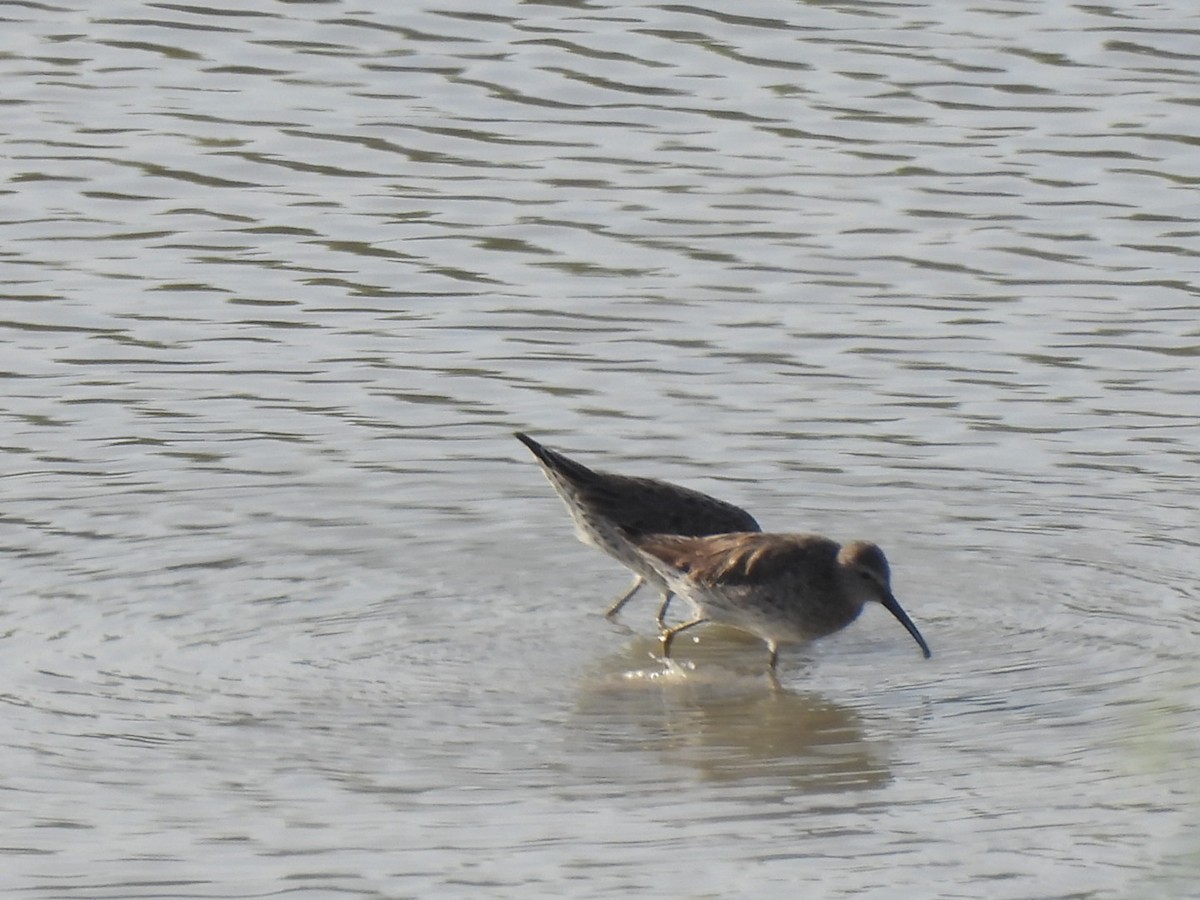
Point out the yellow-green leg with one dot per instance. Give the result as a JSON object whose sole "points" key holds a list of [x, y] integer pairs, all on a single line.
{"points": [[638, 581], [669, 635], [661, 618], [771, 661], [774, 657]]}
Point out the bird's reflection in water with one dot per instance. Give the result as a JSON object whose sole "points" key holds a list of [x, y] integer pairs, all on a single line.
{"points": [[715, 711]]}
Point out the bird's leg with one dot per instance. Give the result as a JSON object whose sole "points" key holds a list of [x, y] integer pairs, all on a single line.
{"points": [[662, 610], [774, 657], [669, 635], [771, 661], [638, 581]]}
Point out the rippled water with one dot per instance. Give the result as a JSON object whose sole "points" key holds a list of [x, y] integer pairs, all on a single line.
{"points": [[287, 611]]}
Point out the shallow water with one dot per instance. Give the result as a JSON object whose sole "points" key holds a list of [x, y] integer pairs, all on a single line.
{"points": [[286, 608]]}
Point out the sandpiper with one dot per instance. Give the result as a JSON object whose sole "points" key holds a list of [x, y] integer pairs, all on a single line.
{"points": [[783, 588], [610, 511]]}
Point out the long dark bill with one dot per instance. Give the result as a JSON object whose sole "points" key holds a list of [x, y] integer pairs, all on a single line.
{"points": [[892, 606]]}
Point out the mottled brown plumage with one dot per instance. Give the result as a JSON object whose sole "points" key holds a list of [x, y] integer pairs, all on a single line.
{"points": [[610, 511], [784, 588]]}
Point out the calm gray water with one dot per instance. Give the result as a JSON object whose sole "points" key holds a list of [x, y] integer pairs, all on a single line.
{"points": [[285, 609]]}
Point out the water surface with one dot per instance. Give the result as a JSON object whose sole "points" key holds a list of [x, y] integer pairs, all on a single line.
{"points": [[287, 609]]}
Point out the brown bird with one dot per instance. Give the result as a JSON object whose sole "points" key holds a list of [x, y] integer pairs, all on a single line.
{"points": [[783, 588], [611, 511]]}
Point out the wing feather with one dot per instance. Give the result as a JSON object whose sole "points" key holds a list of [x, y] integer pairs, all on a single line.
{"points": [[741, 558]]}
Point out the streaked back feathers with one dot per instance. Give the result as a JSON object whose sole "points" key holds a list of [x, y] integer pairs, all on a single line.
{"points": [[741, 558]]}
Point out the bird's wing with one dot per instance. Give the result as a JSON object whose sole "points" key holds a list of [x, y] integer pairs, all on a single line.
{"points": [[729, 559]]}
